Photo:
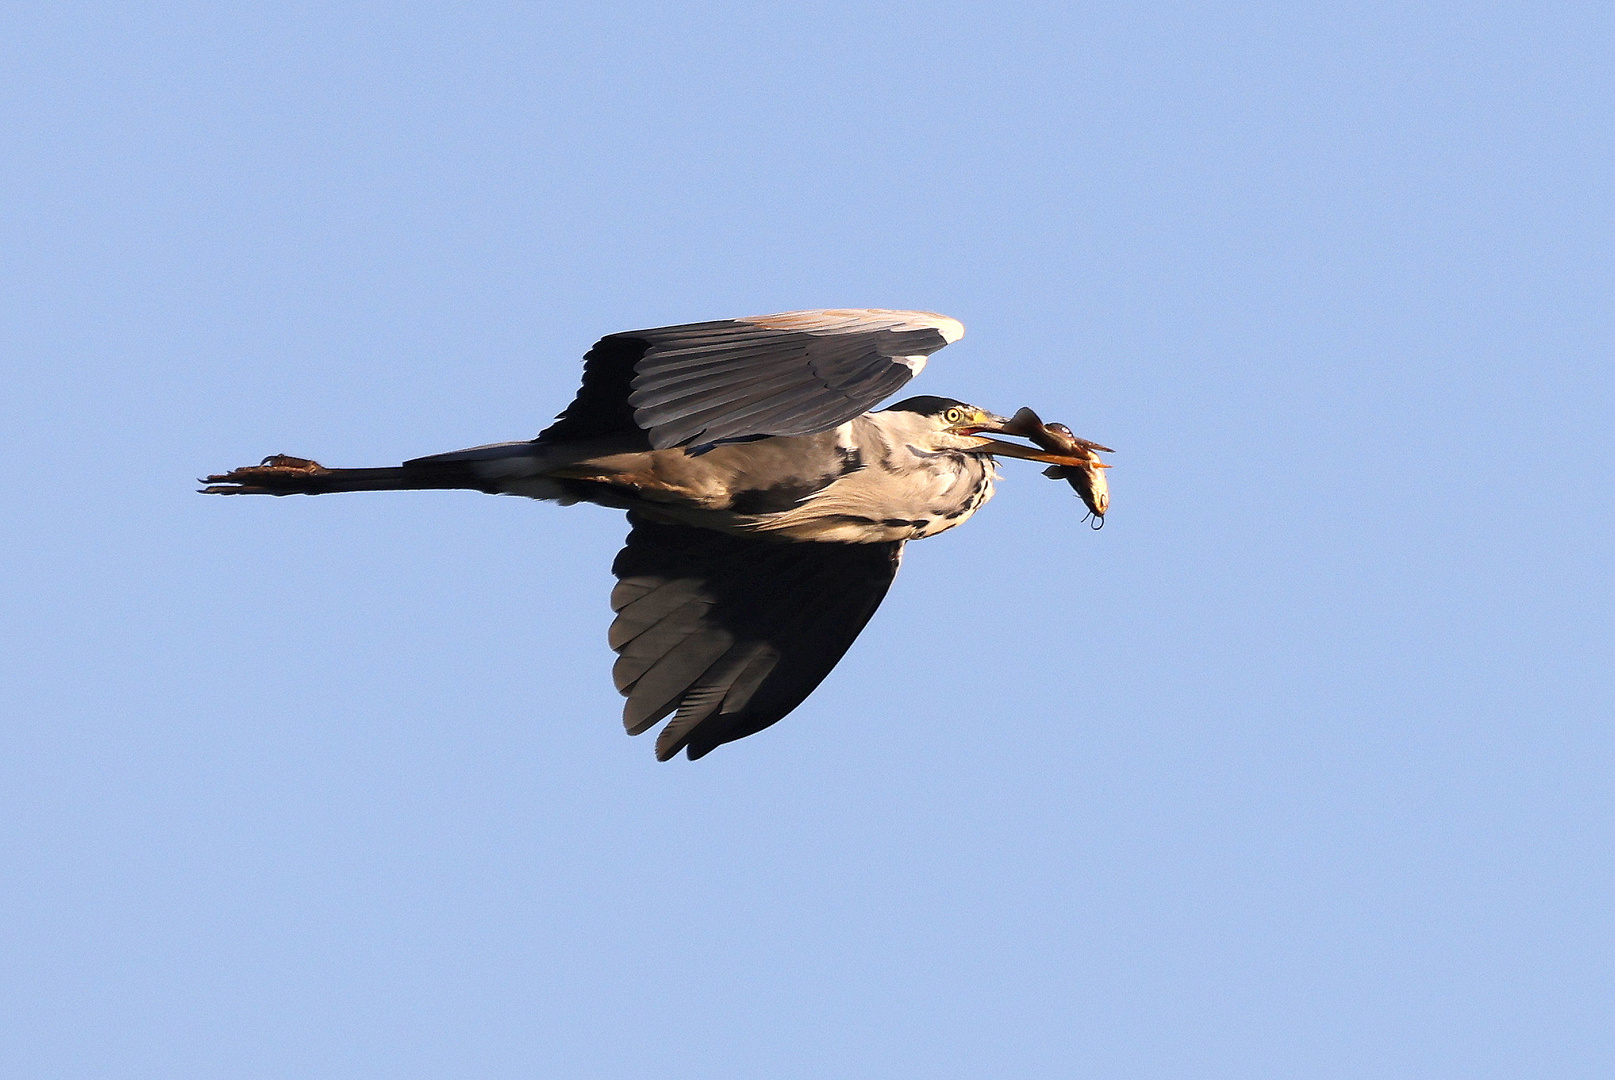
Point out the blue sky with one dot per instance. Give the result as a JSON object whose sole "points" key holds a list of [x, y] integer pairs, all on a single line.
{"points": [[1300, 767]]}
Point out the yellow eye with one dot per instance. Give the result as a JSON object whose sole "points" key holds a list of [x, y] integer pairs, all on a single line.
{"points": [[954, 416]]}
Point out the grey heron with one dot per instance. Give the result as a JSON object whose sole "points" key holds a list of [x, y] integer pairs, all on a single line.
{"points": [[768, 508]]}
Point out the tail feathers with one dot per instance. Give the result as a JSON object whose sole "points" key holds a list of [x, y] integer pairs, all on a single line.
{"points": [[283, 475]]}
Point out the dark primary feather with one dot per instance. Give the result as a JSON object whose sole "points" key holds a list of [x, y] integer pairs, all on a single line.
{"points": [[601, 407], [737, 378], [729, 633]]}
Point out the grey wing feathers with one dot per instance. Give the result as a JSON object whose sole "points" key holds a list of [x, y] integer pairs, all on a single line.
{"points": [[790, 374], [730, 633]]}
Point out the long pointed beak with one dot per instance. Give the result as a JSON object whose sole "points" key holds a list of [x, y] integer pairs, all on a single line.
{"points": [[1055, 446], [1074, 460], [1051, 452], [1030, 453]]}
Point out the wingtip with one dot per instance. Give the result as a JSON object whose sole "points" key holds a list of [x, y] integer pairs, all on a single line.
{"points": [[950, 329]]}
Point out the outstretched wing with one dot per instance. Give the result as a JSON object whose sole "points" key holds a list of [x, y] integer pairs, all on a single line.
{"points": [[730, 633], [789, 374]]}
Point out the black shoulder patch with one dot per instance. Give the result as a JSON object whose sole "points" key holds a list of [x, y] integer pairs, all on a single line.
{"points": [[773, 500]]}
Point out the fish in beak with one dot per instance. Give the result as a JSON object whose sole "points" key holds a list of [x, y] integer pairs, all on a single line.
{"points": [[1072, 459]]}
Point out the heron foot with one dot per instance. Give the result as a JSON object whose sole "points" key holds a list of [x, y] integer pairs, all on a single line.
{"points": [[277, 474]]}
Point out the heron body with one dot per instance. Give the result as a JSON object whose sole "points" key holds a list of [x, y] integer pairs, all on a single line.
{"points": [[769, 508], [874, 479]]}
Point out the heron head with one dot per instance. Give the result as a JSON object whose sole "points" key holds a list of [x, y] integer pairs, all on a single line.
{"points": [[948, 424], [940, 423], [956, 425]]}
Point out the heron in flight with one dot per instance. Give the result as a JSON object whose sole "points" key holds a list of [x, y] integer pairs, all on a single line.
{"points": [[768, 508]]}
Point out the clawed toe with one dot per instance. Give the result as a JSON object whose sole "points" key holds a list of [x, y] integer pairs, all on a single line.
{"points": [[261, 479]]}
